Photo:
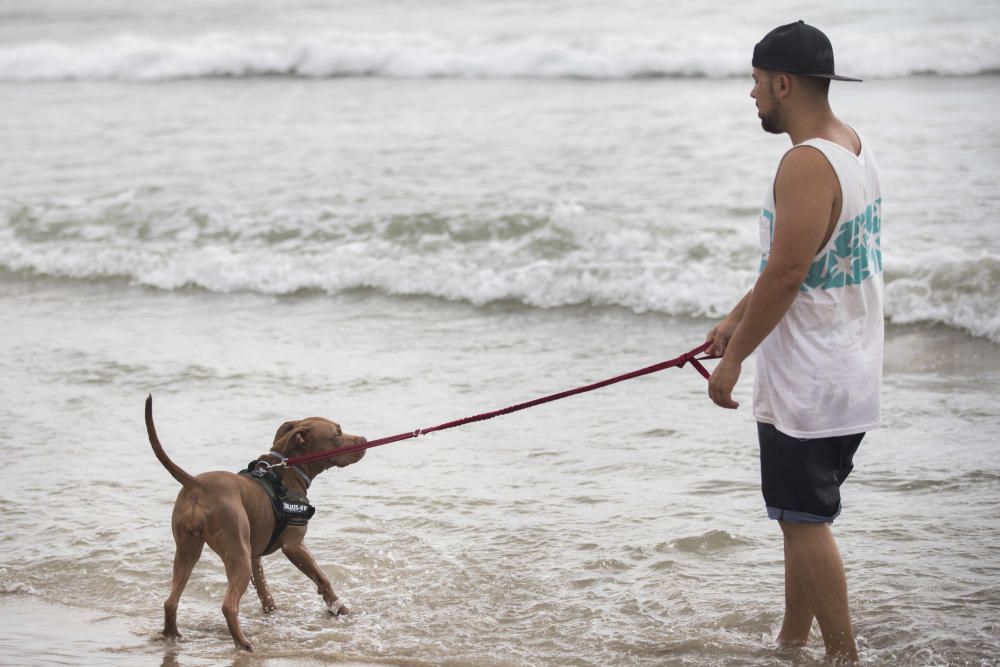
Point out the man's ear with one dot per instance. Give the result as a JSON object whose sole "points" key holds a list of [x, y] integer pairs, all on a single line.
{"points": [[781, 84], [283, 430]]}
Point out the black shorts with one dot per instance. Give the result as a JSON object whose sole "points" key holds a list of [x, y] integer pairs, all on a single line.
{"points": [[801, 478]]}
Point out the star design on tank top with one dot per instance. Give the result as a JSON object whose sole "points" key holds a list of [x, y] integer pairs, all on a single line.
{"points": [[844, 265], [854, 253], [859, 236]]}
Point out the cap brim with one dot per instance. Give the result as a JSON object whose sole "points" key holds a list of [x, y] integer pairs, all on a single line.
{"points": [[834, 77]]}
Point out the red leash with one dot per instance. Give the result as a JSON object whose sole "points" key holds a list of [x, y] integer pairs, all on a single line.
{"points": [[686, 358]]}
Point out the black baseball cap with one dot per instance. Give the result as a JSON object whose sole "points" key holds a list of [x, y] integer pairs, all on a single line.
{"points": [[797, 48]]}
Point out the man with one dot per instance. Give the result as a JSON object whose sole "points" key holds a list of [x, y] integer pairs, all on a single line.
{"points": [[814, 317]]}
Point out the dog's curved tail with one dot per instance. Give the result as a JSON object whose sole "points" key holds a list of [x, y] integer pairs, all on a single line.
{"points": [[186, 480]]}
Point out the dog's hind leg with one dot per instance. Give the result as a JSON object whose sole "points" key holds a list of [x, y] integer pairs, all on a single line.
{"points": [[187, 553], [260, 584], [233, 547], [301, 558]]}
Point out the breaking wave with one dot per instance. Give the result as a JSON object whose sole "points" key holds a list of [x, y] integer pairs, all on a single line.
{"points": [[944, 51], [544, 259]]}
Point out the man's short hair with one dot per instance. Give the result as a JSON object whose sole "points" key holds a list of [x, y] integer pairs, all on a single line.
{"points": [[814, 84]]}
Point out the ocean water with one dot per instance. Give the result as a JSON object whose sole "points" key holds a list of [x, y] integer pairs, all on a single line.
{"points": [[395, 214]]}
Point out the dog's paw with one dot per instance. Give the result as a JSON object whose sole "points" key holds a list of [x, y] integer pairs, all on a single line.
{"points": [[338, 608]]}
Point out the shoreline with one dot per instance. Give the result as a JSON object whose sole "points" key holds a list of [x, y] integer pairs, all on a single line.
{"points": [[37, 632], [40, 633]]}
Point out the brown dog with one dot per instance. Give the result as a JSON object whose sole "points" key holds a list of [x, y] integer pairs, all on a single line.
{"points": [[233, 514]]}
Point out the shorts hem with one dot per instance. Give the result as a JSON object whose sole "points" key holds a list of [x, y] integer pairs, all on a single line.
{"points": [[791, 516]]}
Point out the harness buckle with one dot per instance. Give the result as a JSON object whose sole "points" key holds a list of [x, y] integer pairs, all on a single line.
{"points": [[261, 468]]}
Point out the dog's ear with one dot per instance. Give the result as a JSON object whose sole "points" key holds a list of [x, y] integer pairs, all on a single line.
{"points": [[283, 430], [297, 439]]}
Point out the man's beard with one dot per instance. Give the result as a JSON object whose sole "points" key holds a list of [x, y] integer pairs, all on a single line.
{"points": [[771, 122]]}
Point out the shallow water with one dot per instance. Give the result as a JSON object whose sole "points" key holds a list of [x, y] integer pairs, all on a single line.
{"points": [[618, 527]]}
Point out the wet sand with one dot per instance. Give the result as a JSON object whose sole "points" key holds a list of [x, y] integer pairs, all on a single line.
{"points": [[36, 633]]}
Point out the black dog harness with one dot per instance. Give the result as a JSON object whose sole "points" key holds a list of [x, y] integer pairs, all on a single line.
{"points": [[290, 508]]}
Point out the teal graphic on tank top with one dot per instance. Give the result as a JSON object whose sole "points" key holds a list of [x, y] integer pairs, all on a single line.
{"points": [[854, 256]]}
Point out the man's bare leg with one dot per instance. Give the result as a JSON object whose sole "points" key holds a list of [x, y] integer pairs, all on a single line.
{"points": [[812, 558], [798, 614]]}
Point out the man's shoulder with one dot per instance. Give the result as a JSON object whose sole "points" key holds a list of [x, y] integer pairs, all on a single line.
{"points": [[805, 162]]}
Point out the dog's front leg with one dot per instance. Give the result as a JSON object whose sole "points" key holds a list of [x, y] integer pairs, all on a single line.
{"points": [[260, 583], [301, 558]]}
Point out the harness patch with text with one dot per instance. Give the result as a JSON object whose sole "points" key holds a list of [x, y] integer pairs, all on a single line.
{"points": [[290, 508]]}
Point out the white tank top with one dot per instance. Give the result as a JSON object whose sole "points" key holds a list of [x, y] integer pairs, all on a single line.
{"points": [[819, 372]]}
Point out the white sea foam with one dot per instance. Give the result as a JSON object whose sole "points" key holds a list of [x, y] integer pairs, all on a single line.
{"points": [[951, 286], [11, 585], [946, 51], [555, 259]]}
